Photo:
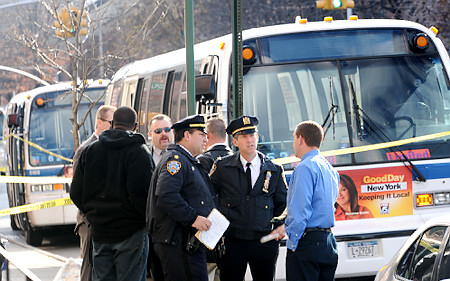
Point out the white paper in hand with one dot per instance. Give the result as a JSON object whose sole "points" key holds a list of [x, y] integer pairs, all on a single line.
{"points": [[219, 225], [267, 238]]}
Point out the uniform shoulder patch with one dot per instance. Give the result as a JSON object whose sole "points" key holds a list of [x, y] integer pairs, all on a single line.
{"points": [[173, 167], [213, 169]]}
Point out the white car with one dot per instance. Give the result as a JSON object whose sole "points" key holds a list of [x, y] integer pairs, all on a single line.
{"points": [[425, 256]]}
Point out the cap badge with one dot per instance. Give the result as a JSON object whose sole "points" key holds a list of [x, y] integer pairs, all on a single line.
{"points": [[246, 120]]}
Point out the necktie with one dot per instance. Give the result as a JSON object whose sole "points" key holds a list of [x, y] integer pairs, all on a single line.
{"points": [[248, 173]]}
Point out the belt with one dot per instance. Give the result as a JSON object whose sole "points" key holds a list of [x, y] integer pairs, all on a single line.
{"points": [[311, 229]]}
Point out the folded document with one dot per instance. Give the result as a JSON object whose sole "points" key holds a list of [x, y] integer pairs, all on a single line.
{"points": [[219, 225]]}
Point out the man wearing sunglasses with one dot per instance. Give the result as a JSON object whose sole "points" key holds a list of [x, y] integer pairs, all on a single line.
{"points": [[161, 135]]}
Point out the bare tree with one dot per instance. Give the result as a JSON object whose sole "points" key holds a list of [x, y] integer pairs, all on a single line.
{"points": [[56, 36]]}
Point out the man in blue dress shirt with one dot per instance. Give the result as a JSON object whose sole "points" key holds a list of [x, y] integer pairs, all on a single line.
{"points": [[313, 188]]}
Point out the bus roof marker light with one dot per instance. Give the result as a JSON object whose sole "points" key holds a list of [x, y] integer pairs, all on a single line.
{"points": [[434, 29], [328, 19], [300, 20], [353, 17], [222, 45]]}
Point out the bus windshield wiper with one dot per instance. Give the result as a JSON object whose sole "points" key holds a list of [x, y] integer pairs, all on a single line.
{"points": [[331, 113], [377, 130]]}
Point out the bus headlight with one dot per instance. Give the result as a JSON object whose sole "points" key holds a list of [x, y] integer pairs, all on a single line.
{"points": [[42, 187], [36, 188], [442, 198]]}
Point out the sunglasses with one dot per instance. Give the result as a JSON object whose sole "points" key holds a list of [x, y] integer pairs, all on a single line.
{"points": [[109, 121], [159, 130]]}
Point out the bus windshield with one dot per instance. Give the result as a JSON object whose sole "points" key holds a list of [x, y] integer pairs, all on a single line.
{"points": [[367, 101], [50, 125]]}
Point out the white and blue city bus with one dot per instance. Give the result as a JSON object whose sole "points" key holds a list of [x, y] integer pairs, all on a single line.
{"points": [[369, 82], [42, 117]]}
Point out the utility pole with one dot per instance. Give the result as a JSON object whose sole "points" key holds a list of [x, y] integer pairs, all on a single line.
{"points": [[189, 44], [237, 58]]}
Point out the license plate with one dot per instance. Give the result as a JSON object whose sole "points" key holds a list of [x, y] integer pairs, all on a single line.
{"points": [[365, 249]]}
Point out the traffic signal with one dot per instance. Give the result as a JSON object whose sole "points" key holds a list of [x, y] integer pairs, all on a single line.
{"points": [[84, 24], [71, 19], [335, 4]]}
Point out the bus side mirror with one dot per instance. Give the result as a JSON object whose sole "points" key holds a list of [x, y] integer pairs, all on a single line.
{"points": [[13, 120], [205, 87]]}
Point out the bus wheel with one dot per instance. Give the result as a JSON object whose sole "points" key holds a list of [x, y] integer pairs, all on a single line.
{"points": [[33, 237], [13, 223]]}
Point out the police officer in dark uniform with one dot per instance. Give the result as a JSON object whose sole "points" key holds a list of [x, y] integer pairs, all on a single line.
{"points": [[179, 202], [216, 145], [251, 191]]}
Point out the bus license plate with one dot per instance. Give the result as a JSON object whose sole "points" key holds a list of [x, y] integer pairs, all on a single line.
{"points": [[365, 249]]}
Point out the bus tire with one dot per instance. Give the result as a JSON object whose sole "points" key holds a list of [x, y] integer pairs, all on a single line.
{"points": [[14, 225], [33, 237]]}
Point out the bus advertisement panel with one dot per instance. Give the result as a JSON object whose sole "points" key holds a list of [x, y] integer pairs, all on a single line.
{"points": [[374, 193]]}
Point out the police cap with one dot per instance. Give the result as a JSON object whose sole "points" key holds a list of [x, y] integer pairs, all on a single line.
{"points": [[190, 122], [243, 125]]}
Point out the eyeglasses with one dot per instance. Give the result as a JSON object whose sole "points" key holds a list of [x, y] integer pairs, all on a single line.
{"points": [[159, 130], [109, 121]]}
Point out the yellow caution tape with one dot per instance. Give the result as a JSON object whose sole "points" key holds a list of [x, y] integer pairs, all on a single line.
{"points": [[292, 159], [5, 138], [280, 161], [37, 180], [41, 148], [36, 206]]}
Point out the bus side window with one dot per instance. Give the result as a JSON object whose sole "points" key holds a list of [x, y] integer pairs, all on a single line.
{"points": [[142, 107], [183, 100], [117, 95], [175, 96], [155, 101]]}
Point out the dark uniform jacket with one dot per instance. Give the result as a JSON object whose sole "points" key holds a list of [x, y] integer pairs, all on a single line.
{"points": [[207, 159], [110, 185], [249, 215], [179, 192]]}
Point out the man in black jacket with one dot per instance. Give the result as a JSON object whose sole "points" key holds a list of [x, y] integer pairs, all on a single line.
{"points": [[216, 146], [110, 186], [103, 120], [251, 191], [179, 202]]}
